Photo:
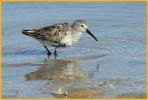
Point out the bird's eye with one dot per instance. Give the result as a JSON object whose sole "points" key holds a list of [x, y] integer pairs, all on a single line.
{"points": [[82, 25]]}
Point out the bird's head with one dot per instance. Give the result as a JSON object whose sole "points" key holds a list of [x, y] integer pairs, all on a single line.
{"points": [[82, 26]]}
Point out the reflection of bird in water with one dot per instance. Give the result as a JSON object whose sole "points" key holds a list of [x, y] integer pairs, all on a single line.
{"points": [[67, 78], [59, 35], [59, 70]]}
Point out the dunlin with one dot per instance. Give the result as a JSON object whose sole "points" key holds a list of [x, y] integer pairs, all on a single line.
{"points": [[59, 35]]}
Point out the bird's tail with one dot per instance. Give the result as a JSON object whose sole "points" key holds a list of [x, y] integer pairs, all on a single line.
{"points": [[29, 32]]}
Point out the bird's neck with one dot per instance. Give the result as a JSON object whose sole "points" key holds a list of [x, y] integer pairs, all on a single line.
{"points": [[75, 30], [75, 34]]}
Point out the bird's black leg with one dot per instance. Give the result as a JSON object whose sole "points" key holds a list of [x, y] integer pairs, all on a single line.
{"points": [[55, 52], [48, 52]]}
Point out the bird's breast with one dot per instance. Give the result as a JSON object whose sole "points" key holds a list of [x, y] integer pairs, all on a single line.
{"points": [[71, 39], [76, 37]]}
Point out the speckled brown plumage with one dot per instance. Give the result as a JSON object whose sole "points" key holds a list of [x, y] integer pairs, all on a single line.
{"points": [[52, 33]]}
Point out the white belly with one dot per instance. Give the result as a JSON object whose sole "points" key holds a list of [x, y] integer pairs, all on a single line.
{"points": [[65, 40], [71, 39], [48, 43], [68, 40]]}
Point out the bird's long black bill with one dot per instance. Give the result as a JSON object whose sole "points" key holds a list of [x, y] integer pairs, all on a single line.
{"points": [[91, 34]]}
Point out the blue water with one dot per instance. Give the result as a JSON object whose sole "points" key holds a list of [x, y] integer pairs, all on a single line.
{"points": [[120, 28]]}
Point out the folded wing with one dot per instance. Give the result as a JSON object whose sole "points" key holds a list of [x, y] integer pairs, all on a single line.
{"points": [[54, 33]]}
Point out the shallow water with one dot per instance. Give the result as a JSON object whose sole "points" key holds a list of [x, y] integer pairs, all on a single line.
{"points": [[116, 63]]}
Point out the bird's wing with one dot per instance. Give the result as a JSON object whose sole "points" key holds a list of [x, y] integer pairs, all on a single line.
{"points": [[54, 33]]}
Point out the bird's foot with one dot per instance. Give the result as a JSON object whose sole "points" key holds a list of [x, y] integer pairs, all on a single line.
{"points": [[55, 53], [55, 56], [48, 54]]}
